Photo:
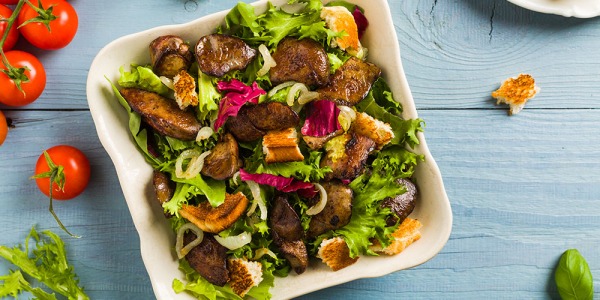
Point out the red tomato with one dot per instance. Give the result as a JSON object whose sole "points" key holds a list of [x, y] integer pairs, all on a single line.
{"points": [[76, 168], [9, 93], [3, 128], [9, 1], [13, 34], [62, 29]]}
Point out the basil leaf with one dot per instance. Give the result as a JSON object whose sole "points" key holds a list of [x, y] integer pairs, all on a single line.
{"points": [[573, 277]]}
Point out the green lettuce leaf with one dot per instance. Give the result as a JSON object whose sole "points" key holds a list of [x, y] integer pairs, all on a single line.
{"points": [[200, 288], [186, 189], [276, 24], [208, 97], [405, 130], [308, 170], [47, 263], [14, 283], [143, 78], [368, 218]]}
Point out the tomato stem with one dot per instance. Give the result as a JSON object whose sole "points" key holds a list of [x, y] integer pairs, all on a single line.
{"points": [[45, 16], [57, 176], [17, 75]]}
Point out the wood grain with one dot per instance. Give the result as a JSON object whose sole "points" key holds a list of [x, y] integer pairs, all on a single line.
{"points": [[523, 188]]}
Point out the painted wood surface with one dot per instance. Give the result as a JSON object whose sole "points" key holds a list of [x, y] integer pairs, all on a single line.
{"points": [[523, 188]]}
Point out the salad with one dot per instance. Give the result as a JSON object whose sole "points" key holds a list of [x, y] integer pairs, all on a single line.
{"points": [[274, 142]]}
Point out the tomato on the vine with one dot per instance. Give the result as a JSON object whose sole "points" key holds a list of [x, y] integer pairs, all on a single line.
{"points": [[3, 128], [33, 85], [62, 172], [62, 29], [75, 169], [13, 33], [9, 1]]}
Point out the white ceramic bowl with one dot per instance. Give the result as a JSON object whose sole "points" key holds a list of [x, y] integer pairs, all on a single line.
{"points": [[156, 237], [567, 8]]}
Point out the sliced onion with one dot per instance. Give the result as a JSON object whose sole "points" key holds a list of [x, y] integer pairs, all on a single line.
{"points": [[262, 252], [307, 96], [179, 248], [235, 177], [304, 97], [269, 62], [167, 82], [317, 208], [258, 200], [204, 133], [279, 87], [346, 117], [236, 241], [194, 166]]}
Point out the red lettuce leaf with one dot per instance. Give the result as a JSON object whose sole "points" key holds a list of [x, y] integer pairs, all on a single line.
{"points": [[284, 184], [237, 94], [321, 118], [361, 21]]}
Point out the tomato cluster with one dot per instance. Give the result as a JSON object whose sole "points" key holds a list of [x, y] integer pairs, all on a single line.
{"points": [[61, 172], [46, 24]]}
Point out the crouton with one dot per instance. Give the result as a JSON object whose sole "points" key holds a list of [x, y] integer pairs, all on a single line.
{"points": [[184, 86], [340, 19], [282, 146], [215, 219], [516, 91], [243, 275], [335, 253], [406, 234], [381, 133]]}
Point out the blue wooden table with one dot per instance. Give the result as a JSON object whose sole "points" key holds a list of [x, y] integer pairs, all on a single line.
{"points": [[523, 188]]}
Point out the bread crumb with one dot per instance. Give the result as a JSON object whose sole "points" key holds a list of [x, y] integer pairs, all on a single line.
{"points": [[516, 91]]}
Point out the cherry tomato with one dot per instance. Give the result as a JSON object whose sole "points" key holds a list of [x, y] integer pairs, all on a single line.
{"points": [[62, 29], [9, 1], [76, 169], [13, 34], [3, 128], [9, 93]]}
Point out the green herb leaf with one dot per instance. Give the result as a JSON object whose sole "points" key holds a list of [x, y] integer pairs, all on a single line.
{"points": [[573, 277], [47, 263]]}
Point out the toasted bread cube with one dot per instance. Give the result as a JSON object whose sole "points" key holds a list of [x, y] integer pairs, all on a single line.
{"points": [[184, 86], [282, 146], [340, 19], [243, 275], [381, 133], [335, 253], [406, 234]]}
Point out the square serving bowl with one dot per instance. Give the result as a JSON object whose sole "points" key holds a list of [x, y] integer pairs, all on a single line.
{"points": [[135, 175]]}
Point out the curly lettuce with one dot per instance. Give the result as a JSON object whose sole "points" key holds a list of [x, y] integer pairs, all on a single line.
{"points": [[46, 263], [368, 219]]}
